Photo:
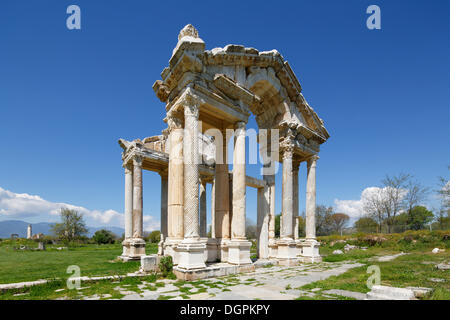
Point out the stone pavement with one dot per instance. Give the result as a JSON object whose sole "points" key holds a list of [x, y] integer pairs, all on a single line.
{"points": [[274, 283]]}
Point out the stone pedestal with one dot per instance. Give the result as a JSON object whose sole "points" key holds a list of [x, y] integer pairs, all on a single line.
{"points": [[191, 255], [222, 249], [133, 249], [170, 249], [310, 251], [204, 240], [287, 249], [273, 249], [149, 263], [239, 252]]}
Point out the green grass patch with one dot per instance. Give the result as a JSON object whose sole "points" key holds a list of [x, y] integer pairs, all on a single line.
{"points": [[93, 260], [404, 271]]}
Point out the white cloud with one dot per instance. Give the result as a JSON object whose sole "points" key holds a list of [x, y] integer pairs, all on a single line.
{"points": [[150, 223], [22, 205], [355, 208]]}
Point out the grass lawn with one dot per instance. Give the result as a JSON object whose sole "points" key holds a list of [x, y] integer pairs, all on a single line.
{"points": [[414, 269], [93, 260]]}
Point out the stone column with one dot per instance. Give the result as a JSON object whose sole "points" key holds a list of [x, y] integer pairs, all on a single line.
{"points": [[137, 244], [269, 196], [263, 223], [221, 194], [272, 211], [221, 199], [310, 247], [286, 245], [239, 247], [288, 194], [296, 165], [164, 193], [311, 198], [191, 174], [191, 250], [239, 187], [128, 201], [203, 232], [29, 232], [137, 198], [213, 209], [128, 212], [175, 198]]}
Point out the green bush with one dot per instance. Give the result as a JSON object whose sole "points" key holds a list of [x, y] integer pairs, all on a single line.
{"points": [[166, 265], [103, 236], [153, 237]]}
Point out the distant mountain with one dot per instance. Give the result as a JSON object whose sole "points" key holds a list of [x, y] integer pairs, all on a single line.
{"points": [[20, 227]]}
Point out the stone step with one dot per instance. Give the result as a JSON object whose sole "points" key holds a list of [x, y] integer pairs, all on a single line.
{"points": [[391, 293]]}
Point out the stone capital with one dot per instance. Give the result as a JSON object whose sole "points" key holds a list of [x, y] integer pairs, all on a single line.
{"points": [[191, 110], [137, 161], [128, 167], [288, 152], [313, 160], [190, 102], [239, 125], [174, 122]]}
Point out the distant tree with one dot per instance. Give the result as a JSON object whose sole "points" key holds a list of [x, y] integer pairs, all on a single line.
{"points": [[416, 219], [415, 196], [72, 226], [154, 236], [301, 225], [338, 221], [373, 206], [442, 220], [277, 225], [103, 236], [366, 224], [324, 223], [394, 193], [443, 193]]}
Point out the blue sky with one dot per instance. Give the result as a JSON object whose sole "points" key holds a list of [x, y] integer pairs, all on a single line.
{"points": [[66, 96]]}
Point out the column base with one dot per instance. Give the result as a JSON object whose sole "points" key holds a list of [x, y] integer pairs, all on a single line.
{"points": [[239, 252], [310, 251], [170, 249], [222, 249], [133, 249], [273, 249], [205, 252], [287, 249], [191, 254]]}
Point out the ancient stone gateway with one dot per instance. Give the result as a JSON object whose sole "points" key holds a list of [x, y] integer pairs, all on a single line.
{"points": [[209, 96]]}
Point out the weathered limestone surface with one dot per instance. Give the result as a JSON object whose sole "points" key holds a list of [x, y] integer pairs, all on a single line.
{"points": [[175, 182], [137, 198], [221, 196], [390, 293], [128, 201], [29, 232]]}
